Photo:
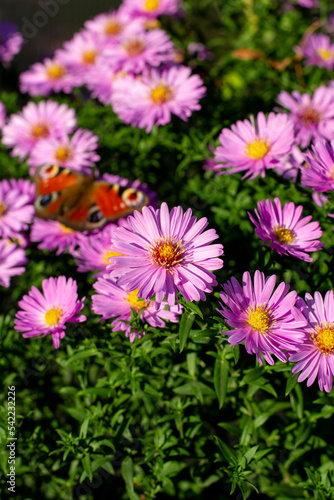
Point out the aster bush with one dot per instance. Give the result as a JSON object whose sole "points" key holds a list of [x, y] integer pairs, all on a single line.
{"points": [[185, 350]]}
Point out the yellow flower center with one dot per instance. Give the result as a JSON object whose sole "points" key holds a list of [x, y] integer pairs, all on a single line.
{"points": [[161, 94], [39, 131], [113, 28], [2, 208], [53, 316], [257, 149], [325, 54], [167, 252], [309, 116], [110, 254], [63, 154], [284, 235], [134, 47], [151, 5], [133, 300], [55, 71], [89, 56], [64, 228], [259, 318], [323, 337]]}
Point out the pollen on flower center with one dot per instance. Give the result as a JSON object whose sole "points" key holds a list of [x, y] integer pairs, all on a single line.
{"points": [[2, 208], [284, 235], [133, 300], [110, 254], [323, 337], [40, 131], [257, 149], [56, 71], [134, 47], [309, 116], [151, 5], [63, 154], [259, 318], [112, 28], [89, 56], [167, 252], [324, 54], [65, 229], [52, 316], [161, 94]]}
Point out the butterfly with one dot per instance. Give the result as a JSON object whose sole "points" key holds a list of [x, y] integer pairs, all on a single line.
{"points": [[81, 202]]}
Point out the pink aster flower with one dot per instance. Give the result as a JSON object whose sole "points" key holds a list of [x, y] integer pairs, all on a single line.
{"points": [[288, 232], [112, 301], [318, 51], [313, 117], [266, 320], [11, 42], [140, 51], [53, 235], [315, 355], [48, 312], [112, 26], [50, 76], [43, 120], [100, 81], [318, 172], [256, 146], [2, 115], [76, 153], [152, 99], [12, 261], [290, 168], [81, 53], [94, 252], [164, 252], [151, 8], [16, 206]]}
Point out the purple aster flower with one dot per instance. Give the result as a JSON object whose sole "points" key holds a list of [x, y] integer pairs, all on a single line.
{"points": [[266, 320], [290, 168], [318, 172], [313, 117], [317, 50], [164, 252], [2, 115], [100, 81], [255, 147], [153, 98], [50, 76], [94, 252], [11, 42], [140, 51], [16, 206], [12, 260], [81, 53], [112, 301], [111, 27], [288, 232], [53, 235], [76, 153], [315, 354], [48, 312], [43, 120], [151, 8]]}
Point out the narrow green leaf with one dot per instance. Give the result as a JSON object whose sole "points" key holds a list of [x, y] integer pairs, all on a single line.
{"points": [[290, 384], [185, 327], [194, 308], [228, 454], [127, 473], [84, 428], [87, 465], [220, 378]]}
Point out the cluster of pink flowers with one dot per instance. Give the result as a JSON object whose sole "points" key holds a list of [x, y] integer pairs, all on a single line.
{"points": [[275, 322], [126, 60]]}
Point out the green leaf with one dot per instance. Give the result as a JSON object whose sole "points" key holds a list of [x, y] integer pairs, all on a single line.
{"points": [[290, 384], [185, 327], [84, 428], [127, 473], [228, 454], [194, 308], [87, 465], [220, 378]]}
